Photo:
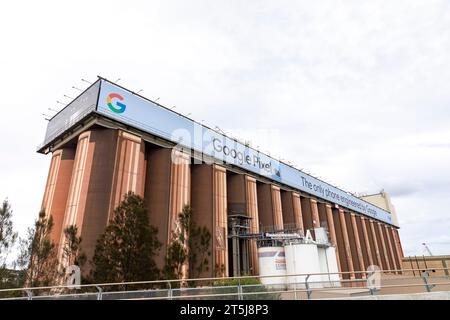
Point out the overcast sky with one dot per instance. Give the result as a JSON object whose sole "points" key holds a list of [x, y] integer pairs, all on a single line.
{"points": [[355, 92]]}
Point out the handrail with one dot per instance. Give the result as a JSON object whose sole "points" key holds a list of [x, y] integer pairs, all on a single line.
{"points": [[307, 282]]}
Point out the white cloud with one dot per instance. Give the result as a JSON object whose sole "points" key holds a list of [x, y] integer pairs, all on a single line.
{"points": [[356, 92]]}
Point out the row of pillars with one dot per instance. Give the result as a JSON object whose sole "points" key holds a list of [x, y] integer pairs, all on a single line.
{"points": [[86, 183]]}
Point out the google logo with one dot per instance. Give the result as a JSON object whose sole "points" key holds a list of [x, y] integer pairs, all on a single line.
{"points": [[120, 107]]}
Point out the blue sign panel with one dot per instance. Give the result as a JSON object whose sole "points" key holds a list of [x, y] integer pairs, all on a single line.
{"points": [[129, 108]]}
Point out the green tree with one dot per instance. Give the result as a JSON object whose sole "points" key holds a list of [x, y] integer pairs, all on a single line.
{"points": [[7, 239], [7, 235], [72, 253], [190, 246], [125, 252], [38, 253]]}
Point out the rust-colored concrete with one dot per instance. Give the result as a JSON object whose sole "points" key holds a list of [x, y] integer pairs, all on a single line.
{"points": [[167, 191], [252, 211], [265, 210], [129, 168], [382, 245], [374, 242], [307, 215], [332, 232], [345, 236], [362, 242], [398, 245], [57, 189], [242, 197], [323, 221], [209, 204], [292, 210], [157, 193], [269, 206], [389, 247], [340, 245], [315, 213], [391, 230], [90, 187], [370, 257], [277, 211], [352, 236]]}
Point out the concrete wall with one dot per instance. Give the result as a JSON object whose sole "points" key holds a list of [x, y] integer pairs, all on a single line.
{"points": [[86, 183]]}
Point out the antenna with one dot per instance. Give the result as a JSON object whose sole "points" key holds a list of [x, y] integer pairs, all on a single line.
{"points": [[427, 249], [118, 80], [60, 102], [46, 117], [139, 91], [53, 110], [73, 87], [68, 97], [156, 99], [86, 81]]}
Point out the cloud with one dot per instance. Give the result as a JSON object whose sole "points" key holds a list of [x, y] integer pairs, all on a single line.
{"points": [[355, 92]]}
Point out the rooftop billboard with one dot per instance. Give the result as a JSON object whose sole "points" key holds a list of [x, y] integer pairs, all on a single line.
{"points": [[129, 108]]}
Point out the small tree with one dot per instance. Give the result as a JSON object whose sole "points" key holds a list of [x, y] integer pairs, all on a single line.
{"points": [[72, 253], [7, 239], [38, 253], [125, 252], [7, 235], [189, 246]]}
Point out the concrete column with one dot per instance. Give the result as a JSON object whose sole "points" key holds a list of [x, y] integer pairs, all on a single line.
{"points": [[398, 261], [220, 233], [362, 241], [129, 168], [57, 189], [277, 211], [393, 260], [332, 233], [307, 215], [353, 245], [315, 213], [384, 252], [375, 244], [90, 187], [358, 243], [345, 237], [367, 241], [251, 195], [167, 191], [209, 204], [269, 206], [292, 210], [340, 243], [398, 244]]}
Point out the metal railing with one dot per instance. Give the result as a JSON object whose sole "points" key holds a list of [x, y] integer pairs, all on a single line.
{"points": [[294, 287]]}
